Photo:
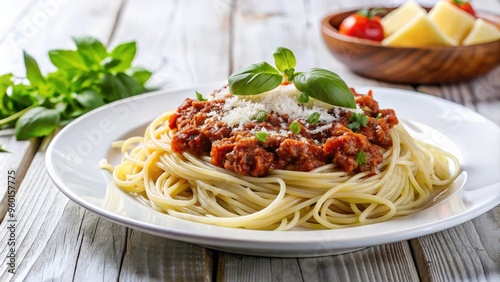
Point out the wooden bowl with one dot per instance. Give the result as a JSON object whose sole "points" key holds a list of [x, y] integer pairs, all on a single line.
{"points": [[410, 65]]}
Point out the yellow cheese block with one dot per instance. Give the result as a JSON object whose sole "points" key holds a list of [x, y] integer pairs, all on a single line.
{"points": [[420, 31], [482, 32], [400, 16], [451, 20]]}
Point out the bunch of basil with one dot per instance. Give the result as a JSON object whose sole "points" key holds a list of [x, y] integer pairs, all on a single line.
{"points": [[85, 79]]}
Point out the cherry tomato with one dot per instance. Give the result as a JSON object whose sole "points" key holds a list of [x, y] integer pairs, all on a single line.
{"points": [[363, 25], [464, 5]]}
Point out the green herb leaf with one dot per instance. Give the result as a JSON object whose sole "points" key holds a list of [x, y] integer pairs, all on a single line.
{"points": [[357, 120], [260, 116], [109, 63], [313, 118], [284, 59], [125, 53], [379, 115], [295, 127], [32, 70], [89, 99], [67, 60], [91, 50], [199, 96], [361, 158], [36, 122], [59, 82], [118, 87], [2, 150], [325, 86], [261, 136], [290, 74], [303, 98], [141, 75], [254, 79]]}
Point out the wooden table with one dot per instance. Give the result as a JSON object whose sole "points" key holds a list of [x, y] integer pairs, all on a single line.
{"points": [[189, 43]]}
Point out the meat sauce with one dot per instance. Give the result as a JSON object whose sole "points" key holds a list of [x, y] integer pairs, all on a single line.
{"points": [[200, 132]]}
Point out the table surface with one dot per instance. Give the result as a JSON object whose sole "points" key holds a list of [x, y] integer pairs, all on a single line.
{"points": [[189, 43]]}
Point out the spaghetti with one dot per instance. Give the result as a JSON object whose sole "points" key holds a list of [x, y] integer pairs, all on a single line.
{"points": [[189, 186]]}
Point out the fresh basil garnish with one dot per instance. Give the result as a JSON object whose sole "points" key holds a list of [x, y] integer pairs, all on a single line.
{"points": [[313, 118], [261, 136], [361, 158], [320, 84], [254, 79], [295, 127], [285, 61], [200, 97], [260, 116], [325, 86], [303, 98], [356, 121]]}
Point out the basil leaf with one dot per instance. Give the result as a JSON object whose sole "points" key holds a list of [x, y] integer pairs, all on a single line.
{"points": [[112, 88], [361, 158], [261, 136], [141, 75], [5, 83], [295, 127], [303, 98], [117, 87], [109, 63], [36, 122], [21, 97], [313, 118], [356, 121], [260, 116], [325, 86], [32, 70], [131, 84], [89, 99], [59, 82], [125, 53], [91, 50], [199, 96], [67, 60], [6, 79], [254, 79], [289, 73], [284, 59]]}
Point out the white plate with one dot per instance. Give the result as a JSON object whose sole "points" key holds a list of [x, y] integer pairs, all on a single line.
{"points": [[73, 156]]}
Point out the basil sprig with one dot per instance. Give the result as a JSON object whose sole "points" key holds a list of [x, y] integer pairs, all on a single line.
{"points": [[84, 79], [325, 86], [254, 79], [285, 62], [320, 84]]}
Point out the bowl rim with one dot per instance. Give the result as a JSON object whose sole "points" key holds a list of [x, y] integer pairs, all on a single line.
{"points": [[328, 29]]}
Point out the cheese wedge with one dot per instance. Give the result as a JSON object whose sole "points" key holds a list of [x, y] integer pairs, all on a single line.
{"points": [[419, 32], [482, 32], [400, 16], [451, 20]]}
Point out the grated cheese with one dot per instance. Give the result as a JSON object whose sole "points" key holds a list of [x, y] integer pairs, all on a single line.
{"points": [[239, 110]]}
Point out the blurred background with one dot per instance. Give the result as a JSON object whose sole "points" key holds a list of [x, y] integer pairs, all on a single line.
{"points": [[165, 37]]}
